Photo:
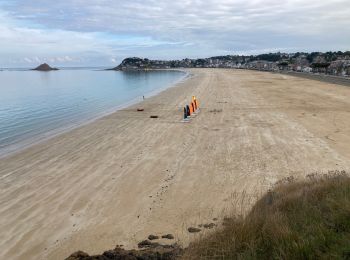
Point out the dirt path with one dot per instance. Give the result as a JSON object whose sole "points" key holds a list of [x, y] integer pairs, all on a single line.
{"points": [[126, 176]]}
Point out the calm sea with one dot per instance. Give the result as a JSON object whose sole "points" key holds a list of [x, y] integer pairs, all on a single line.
{"points": [[35, 105]]}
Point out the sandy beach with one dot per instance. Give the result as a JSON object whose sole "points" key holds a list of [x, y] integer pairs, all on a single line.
{"points": [[125, 176]]}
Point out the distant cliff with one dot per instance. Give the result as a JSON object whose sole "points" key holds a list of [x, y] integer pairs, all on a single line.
{"points": [[333, 63], [44, 67], [135, 63]]}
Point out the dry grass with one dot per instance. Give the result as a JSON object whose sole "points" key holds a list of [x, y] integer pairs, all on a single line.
{"points": [[307, 219]]}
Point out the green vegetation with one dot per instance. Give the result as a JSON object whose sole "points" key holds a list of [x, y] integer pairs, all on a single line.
{"points": [[269, 57], [283, 63], [320, 65], [295, 220], [310, 57]]}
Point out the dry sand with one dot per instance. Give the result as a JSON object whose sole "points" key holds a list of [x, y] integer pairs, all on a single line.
{"points": [[125, 176]]}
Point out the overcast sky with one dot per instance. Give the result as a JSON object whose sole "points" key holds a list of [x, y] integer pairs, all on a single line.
{"points": [[103, 32]]}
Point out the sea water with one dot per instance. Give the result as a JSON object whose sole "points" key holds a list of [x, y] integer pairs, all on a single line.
{"points": [[36, 105]]}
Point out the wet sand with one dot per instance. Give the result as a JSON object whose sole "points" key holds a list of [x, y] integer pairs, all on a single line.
{"points": [[125, 176]]}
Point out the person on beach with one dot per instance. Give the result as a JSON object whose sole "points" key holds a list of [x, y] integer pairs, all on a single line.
{"points": [[188, 110], [195, 102]]}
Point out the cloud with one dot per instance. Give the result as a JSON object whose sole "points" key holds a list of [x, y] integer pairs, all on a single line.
{"points": [[29, 43], [172, 29]]}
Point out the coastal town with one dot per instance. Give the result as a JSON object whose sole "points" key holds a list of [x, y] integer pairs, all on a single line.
{"points": [[330, 63]]}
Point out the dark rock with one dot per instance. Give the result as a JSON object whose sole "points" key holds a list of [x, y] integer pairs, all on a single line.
{"points": [[148, 244], [209, 226], [152, 237], [166, 252], [110, 254], [153, 116], [44, 67], [194, 230], [144, 243], [215, 219], [168, 236], [78, 255]]}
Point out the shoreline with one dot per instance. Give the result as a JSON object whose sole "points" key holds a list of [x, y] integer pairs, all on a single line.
{"points": [[125, 176], [16, 148], [325, 78], [338, 80]]}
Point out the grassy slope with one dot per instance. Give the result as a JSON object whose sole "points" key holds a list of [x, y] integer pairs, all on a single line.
{"points": [[296, 220]]}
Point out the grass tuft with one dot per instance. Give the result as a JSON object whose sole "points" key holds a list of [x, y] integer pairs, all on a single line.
{"points": [[307, 219]]}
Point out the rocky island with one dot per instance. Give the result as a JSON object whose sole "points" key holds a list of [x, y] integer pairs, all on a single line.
{"points": [[44, 67]]}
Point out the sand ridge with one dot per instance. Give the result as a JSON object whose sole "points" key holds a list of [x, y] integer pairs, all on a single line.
{"points": [[125, 176]]}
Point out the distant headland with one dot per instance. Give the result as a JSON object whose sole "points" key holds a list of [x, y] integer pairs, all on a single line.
{"points": [[332, 63], [44, 67]]}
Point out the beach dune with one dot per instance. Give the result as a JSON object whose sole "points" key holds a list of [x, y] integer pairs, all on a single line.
{"points": [[126, 176]]}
